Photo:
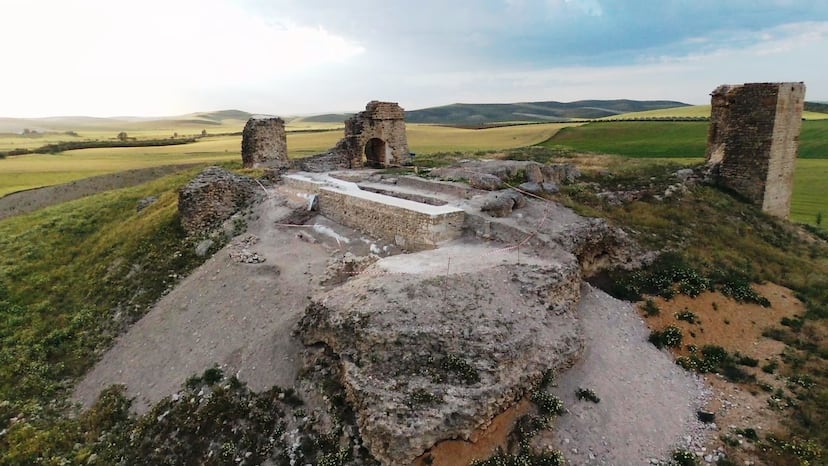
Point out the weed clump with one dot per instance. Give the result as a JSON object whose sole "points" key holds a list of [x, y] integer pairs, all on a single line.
{"points": [[650, 308], [587, 394], [670, 337]]}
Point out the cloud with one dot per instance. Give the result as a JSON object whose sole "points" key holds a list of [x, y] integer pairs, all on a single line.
{"points": [[298, 56], [133, 55]]}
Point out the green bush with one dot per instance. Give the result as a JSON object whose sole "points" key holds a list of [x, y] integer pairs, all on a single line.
{"points": [[670, 337]]}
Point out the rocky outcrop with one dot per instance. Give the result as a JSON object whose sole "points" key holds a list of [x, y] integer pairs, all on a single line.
{"points": [[509, 170], [501, 203], [433, 345], [212, 197]]}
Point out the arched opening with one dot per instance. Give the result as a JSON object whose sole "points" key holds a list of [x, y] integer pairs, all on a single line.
{"points": [[375, 153]]}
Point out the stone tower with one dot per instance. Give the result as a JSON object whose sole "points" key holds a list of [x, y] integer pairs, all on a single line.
{"points": [[753, 141], [264, 143], [376, 137]]}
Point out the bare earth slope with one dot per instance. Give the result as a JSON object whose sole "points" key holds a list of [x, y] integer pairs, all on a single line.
{"points": [[237, 315], [648, 403]]}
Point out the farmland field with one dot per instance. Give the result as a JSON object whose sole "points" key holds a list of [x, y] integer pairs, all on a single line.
{"points": [[695, 111], [676, 140], [29, 171]]}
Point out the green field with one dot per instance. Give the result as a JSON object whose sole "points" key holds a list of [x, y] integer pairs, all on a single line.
{"points": [[677, 140], [30, 171], [695, 111]]}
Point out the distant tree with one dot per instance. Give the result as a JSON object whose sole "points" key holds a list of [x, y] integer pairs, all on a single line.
{"points": [[203, 133], [175, 135], [122, 136]]}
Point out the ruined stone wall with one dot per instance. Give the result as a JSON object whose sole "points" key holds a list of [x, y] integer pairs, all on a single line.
{"points": [[411, 229], [377, 136], [212, 197], [264, 143], [753, 141]]}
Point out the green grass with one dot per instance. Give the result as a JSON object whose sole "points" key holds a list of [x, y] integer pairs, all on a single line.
{"points": [[680, 140], [71, 277], [721, 235], [31, 171], [810, 193], [695, 111], [637, 139]]}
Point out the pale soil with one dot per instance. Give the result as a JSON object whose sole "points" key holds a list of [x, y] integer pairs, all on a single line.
{"points": [[239, 316], [735, 327], [23, 202], [647, 403]]}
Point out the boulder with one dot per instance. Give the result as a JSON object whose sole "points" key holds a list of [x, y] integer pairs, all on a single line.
{"points": [[550, 187], [485, 181], [533, 188], [501, 203], [534, 174], [430, 352]]}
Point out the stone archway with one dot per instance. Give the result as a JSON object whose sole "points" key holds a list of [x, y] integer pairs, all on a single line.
{"points": [[375, 153]]}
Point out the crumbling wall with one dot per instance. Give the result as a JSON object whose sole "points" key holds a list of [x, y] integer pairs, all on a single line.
{"points": [[264, 143], [375, 137], [212, 197], [753, 141]]}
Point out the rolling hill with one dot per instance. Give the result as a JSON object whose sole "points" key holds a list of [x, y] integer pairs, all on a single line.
{"points": [[478, 114]]}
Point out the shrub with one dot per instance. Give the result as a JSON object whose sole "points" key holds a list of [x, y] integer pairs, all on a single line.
{"points": [[587, 394], [669, 337], [547, 403], [682, 457], [688, 316], [650, 308], [770, 367]]}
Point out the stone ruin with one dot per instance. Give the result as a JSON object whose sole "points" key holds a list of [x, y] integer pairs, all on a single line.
{"points": [[213, 197], [753, 141], [374, 138], [264, 143]]}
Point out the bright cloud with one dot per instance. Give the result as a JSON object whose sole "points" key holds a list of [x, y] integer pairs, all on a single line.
{"points": [[105, 57]]}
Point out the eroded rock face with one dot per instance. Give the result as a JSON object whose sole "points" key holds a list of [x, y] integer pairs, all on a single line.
{"points": [[431, 352], [212, 197]]}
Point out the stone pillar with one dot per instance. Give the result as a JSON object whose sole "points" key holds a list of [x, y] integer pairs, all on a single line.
{"points": [[264, 143], [753, 141]]}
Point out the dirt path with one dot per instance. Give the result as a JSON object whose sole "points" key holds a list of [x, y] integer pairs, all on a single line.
{"points": [[647, 403], [237, 315], [23, 202]]}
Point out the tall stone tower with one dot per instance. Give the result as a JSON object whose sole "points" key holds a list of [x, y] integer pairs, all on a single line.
{"points": [[753, 141], [264, 143]]}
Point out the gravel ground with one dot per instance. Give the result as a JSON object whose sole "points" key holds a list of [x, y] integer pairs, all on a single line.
{"points": [[647, 403]]}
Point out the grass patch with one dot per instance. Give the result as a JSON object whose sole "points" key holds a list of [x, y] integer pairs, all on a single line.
{"points": [[71, 277]]}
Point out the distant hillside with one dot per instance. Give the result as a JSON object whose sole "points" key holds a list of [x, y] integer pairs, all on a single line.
{"points": [[819, 107], [194, 121], [476, 114], [327, 118]]}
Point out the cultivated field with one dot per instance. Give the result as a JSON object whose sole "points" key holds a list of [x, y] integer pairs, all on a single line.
{"points": [[678, 140], [695, 111], [30, 171]]}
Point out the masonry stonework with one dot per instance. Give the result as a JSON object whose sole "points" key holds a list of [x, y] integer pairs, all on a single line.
{"points": [[264, 143], [408, 224], [753, 141], [376, 137]]}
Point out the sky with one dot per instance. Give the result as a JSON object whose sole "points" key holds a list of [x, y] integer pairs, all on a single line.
{"points": [[294, 57]]}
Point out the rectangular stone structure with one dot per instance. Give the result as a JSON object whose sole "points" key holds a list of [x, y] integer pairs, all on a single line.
{"points": [[754, 139], [411, 225]]}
